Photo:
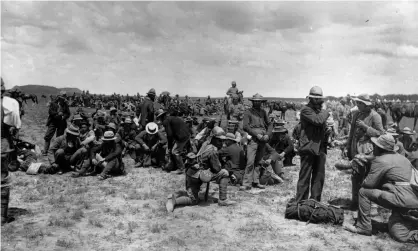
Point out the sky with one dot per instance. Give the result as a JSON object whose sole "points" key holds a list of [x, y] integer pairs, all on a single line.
{"points": [[277, 49]]}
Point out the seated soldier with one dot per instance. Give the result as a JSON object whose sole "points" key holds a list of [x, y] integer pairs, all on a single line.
{"points": [[113, 117], [283, 145], [76, 120], [209, 169], [63, 149], [108, 157], [150, 147], [127, 133], [406, 138], [392, 182], [233, 159], [272, 167], [204, 134], [87, 137]]}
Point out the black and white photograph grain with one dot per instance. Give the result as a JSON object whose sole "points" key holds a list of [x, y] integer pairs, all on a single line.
{"points": [[209, 125]]}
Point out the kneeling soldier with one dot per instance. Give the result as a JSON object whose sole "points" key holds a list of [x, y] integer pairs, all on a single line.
{"points": [[208, 169]]}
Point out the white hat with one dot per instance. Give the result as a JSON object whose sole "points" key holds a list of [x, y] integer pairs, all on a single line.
{"points": [[151, 128]]}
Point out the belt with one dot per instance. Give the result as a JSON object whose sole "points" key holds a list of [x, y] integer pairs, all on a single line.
{"points": [[400, 183]]}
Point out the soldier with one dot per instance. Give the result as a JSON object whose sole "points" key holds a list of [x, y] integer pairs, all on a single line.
{"points": [[366, 123], [113, 117], [108, 157], [146, 109], [10, 123], [59, 112], [233, 158], [232, 91], [283, 145], [312, 146], [208, 101], [63, 149], [256, 124], [208, 168], [406, 138], [236, 111], [178, 135], [150, 146]]}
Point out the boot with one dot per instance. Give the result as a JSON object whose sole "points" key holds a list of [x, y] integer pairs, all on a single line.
{"points": [[46, 148], [5, 196], [171, 203], [179, 163], [259, 186], [226, 202]]}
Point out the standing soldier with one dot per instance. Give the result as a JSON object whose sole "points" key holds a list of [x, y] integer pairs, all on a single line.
{"points": [[10, 123], [312, 146], [256, 124], [146, 109], [59, 112]]}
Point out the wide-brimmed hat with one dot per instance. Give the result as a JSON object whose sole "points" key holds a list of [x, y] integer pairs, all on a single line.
{"points": [[364, 98], [218, 132], [151, 91], [315, 92], [231, 136], [108, 136], [113, 109], [279, 122], [407, 130], [392, 131], [72, 129], [386, 142], [205, 119], [112, 125], [151, 128], [77, 117], [257, 97], [159, 113], [279, 129]]}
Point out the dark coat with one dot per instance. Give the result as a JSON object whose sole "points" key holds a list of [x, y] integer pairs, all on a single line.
{"points": [[146, 111], [176, 129]]}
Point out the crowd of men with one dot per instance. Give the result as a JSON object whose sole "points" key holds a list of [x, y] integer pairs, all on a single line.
{"points": [[250, 152]]}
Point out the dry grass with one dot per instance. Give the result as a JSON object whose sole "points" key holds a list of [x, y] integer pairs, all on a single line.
{"points": [[128, 213]]}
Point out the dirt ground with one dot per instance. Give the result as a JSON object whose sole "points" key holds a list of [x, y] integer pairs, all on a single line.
{"points": [[55, 212]]}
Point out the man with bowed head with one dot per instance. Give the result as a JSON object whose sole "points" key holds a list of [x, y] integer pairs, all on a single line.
{"points": [[312, 146]]}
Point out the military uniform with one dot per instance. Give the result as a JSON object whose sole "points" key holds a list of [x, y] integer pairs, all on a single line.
{"points": [[57, 122]]}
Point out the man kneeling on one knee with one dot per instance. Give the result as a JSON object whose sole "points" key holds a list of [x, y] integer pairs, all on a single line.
{"points": [[392, 182], [208, 169]]}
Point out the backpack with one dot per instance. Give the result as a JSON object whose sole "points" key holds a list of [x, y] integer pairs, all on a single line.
{"points": [[312, 211]]}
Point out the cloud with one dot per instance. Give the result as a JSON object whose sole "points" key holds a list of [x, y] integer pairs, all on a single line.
{"points": [[198, 48]]}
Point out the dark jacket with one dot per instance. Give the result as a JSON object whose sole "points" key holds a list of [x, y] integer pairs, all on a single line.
{"points": [[110, 153], [285, 145], [312, 139], [53, 111], [234, 157], [256, 122], [150, 139], [176, 129], [146, 111]]}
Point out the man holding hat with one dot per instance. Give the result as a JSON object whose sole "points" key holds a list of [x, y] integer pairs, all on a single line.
{"points": [[257, 125], [145, 110], [312, 146], [63, 149], [150, 146], [283, 145], [59, 112], [178, 134], [366, 123], [208, 169], [233, 159], [390, 183], [108, 157]]}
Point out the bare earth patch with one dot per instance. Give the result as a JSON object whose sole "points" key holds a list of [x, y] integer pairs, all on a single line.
{"points": [[128, 213]]}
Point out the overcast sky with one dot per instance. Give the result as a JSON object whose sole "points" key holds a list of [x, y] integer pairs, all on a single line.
{"points": [[278, 49]]}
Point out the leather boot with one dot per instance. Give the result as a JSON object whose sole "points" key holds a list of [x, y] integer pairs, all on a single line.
{"points": [[46, 148], [5, 195], [179, 163]]}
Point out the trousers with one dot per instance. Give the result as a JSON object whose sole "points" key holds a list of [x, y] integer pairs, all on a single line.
{"points": [[255, 151], [311, 177]]}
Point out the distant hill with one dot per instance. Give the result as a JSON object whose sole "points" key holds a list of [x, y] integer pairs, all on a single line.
{"points": [[44, 89]]}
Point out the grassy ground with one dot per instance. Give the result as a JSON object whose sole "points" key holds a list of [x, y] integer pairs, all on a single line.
{"points": [[128, 213]]}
